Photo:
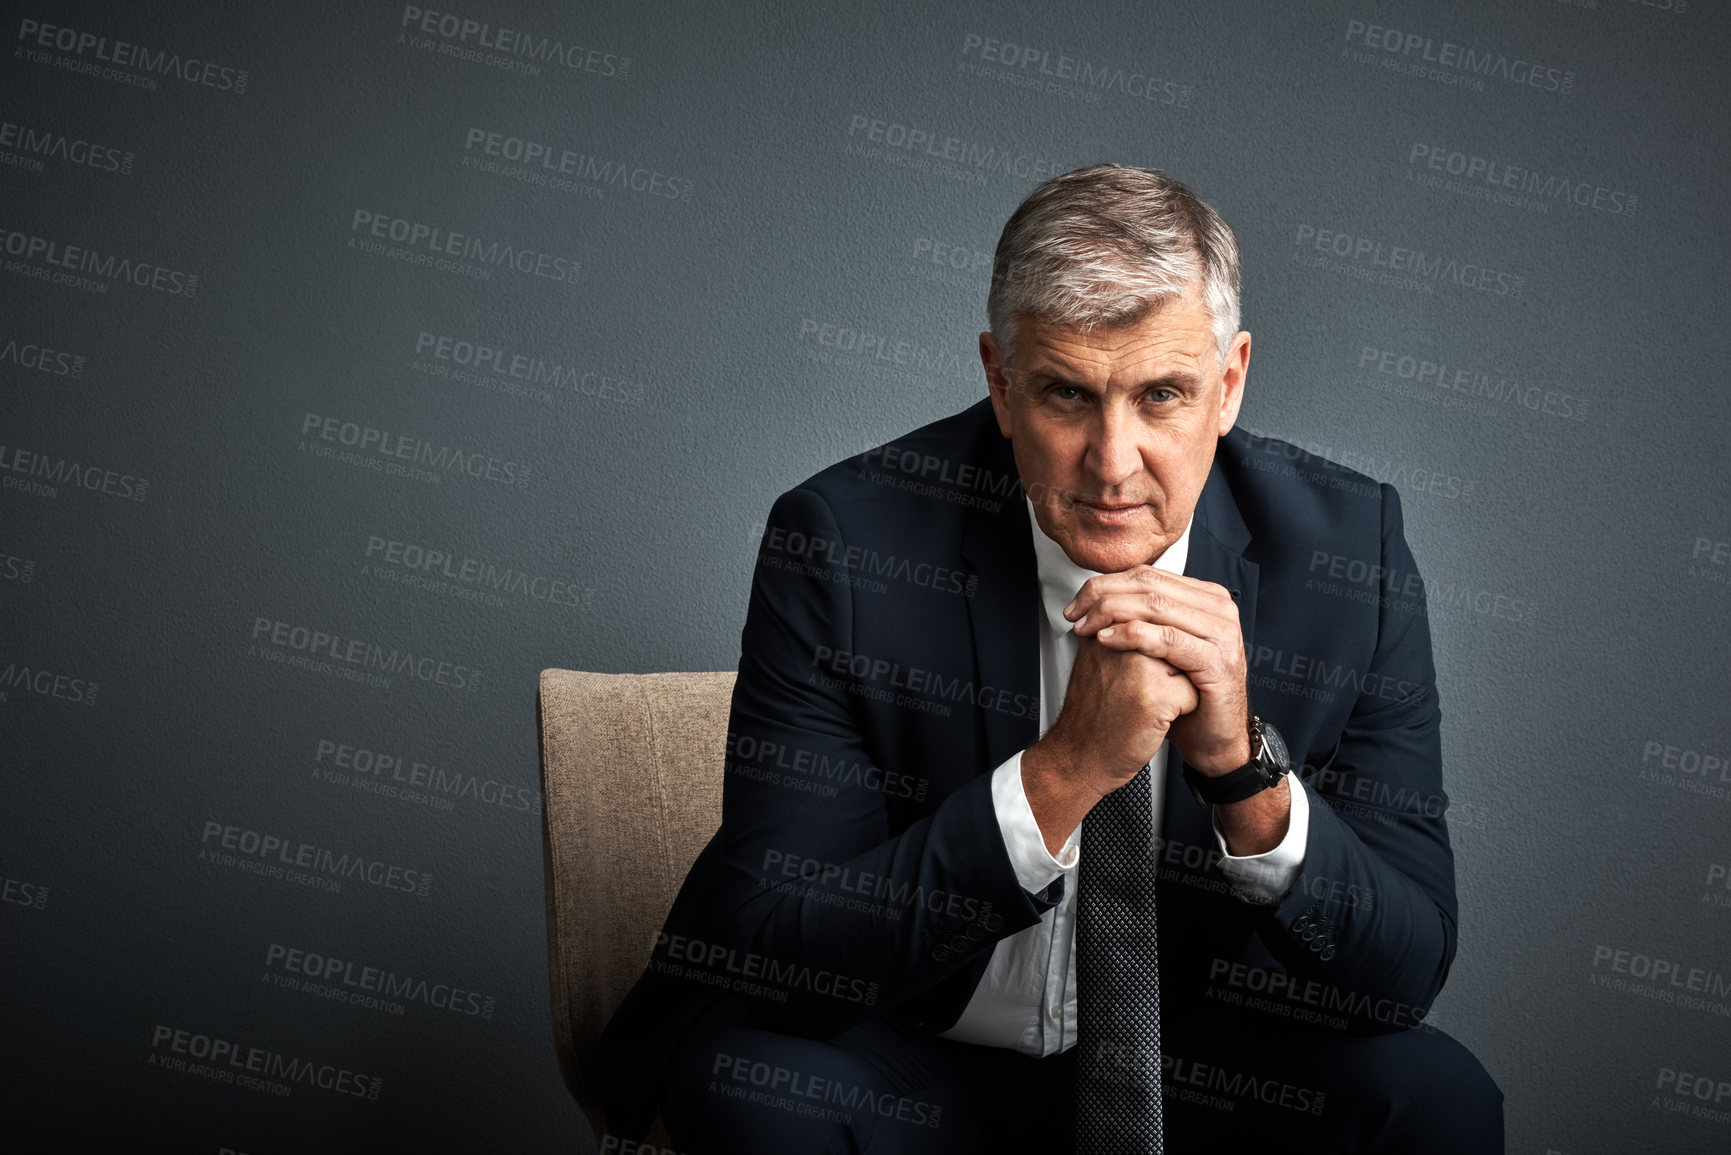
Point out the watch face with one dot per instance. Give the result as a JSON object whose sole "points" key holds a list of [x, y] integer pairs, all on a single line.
{"points": [[1276, 747]]}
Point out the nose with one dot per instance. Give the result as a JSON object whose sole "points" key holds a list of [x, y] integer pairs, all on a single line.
{"points": [[1114, 455]]}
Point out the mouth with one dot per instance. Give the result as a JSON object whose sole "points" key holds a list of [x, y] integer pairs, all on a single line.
{"points": [[1103, 513]]}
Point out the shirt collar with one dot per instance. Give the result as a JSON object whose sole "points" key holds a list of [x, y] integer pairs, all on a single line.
{"points": [[1061, 578]]}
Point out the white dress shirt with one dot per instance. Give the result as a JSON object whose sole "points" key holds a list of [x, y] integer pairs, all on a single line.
{"points": [[1026, 1000]]}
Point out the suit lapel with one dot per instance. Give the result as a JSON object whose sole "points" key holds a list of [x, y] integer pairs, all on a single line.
{"points": [[1004, 614], [1217, 548]]}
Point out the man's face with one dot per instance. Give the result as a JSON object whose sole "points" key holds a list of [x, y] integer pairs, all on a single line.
{"points": [[1114, 431]]}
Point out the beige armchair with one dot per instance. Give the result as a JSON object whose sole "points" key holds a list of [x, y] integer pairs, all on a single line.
{"points": [[631, 768]]}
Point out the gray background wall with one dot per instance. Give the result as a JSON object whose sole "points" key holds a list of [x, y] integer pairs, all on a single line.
{"points": [[176, 503]]}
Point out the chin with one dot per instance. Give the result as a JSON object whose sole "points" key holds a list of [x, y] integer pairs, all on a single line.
{"points": [[1108, 555]]}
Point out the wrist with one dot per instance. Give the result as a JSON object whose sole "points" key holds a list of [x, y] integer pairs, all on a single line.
{"points": [[1053, 767], [1042, 763], [1259, 823], [1226, 759], [1051, 794]]}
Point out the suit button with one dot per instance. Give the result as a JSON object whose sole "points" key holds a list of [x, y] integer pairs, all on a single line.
{"points": [[1310, 932], [941, 953], [1327, 952], [976, 932], [992, 923], [960, 942], [1300, 923], [1319, 944]]}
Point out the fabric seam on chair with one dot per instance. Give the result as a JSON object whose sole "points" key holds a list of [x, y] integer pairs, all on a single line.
{"points": [[654, 734]]}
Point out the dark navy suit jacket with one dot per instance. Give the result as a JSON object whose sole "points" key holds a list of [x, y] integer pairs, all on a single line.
{"points": [[890, 661]]}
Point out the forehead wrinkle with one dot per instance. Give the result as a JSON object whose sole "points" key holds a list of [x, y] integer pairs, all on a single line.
{"points": [[1186, 325], [1052, 363]]}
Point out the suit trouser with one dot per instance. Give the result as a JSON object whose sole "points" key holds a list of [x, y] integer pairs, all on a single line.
{"points": [[1238, 1082]]}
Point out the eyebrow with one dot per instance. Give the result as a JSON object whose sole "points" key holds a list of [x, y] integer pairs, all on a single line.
{"points": [[1177, 379]]}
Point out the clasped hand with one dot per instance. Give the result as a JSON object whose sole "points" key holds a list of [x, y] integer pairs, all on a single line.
{"points": [[1190, 684]]}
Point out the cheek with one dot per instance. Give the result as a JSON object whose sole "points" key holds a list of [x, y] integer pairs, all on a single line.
{"points": [[1032, 467], [1180, 466], [1050, 454], [1171, 454]]}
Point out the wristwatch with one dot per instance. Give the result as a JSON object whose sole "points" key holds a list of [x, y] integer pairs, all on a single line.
{"points": [[1268, 763]]}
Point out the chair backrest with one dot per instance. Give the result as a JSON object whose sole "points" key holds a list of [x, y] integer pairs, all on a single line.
{"points": [[631, 771]]}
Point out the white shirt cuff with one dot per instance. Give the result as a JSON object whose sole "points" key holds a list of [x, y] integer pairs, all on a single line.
{"points": [[1035, 867], [1266, 877]]}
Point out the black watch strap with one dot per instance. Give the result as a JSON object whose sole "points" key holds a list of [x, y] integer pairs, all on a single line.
{"points": [[1268, 763], [1240, 784]]}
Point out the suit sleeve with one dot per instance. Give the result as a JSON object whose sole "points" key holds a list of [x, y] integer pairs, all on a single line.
{"points": [[1373, 914], [817, 914]]}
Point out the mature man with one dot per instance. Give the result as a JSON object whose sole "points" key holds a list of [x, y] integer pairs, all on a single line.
{"points": [[1009, 854]]}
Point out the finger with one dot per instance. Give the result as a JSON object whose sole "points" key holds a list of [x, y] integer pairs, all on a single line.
{"points": [[1196, 657], [1176, 688], [1160, 664], [1147, 579], [1216, 624], [1157, 607], [1180, 689]]}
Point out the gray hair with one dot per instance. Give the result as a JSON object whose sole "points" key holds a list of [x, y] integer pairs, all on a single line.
{"points": [[1107, 244]]}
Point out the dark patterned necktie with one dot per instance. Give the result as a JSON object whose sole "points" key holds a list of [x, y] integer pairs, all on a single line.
{"points": [[1117, 985]]}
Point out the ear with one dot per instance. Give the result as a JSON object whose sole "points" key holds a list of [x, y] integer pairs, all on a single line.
{"points": [[997, 380], [1232, 375]]}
